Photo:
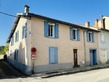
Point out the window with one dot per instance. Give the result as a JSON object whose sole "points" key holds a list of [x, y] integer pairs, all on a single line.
{"points": [[12, 40], [24, 31], [50, 30], [17, 36], [16, 55], [53, 55], [74, 33], [90, 36]]}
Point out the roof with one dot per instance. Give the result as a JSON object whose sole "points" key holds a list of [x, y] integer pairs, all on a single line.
{"points": [[104, 29], [13, 28], [45, 18]]}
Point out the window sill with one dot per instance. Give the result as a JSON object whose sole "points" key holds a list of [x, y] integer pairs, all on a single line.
{"points": [[90, 42], [51, 37]]}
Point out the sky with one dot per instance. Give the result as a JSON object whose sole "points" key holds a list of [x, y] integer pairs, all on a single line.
{"points": [[73, 11]]}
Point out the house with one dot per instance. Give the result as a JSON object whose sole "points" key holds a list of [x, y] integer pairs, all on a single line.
{"points": [[103, 39], [58, 44]]}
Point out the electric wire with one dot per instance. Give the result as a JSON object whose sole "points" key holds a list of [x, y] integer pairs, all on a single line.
{"points": [[7, 14]]}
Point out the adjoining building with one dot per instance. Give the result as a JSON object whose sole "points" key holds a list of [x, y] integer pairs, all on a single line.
{"points": [[103, 38], [59, 44]]}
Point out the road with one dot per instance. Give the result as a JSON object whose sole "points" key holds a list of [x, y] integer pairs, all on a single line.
{"points": [[100, 75], [7, 71]]}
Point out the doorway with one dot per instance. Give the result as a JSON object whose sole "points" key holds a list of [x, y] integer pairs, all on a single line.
{"points": [[93, 57], [75, 57]]}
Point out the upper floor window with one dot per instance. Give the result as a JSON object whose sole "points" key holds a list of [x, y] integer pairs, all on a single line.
{"points": [[24, 31], [16, 36], [74, 33], [51, 30], [12, 40], [90, 36]]}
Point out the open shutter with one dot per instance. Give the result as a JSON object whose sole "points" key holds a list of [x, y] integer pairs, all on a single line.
{"points": [[22, 32], [45, 28], [87, 35], [78, 34], [71, 33], [56, 31], [92, 36]]}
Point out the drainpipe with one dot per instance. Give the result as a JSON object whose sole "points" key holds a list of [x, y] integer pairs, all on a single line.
{"points": [[84, 39]]}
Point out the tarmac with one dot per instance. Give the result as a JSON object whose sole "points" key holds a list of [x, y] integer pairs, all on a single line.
{"points": [[69, 71]]}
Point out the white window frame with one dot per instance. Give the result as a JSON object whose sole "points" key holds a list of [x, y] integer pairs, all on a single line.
{"points": [[49, 26]]}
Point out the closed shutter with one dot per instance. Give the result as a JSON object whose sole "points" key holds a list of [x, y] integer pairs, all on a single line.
{"points": [[45, 28], [56, 31], [87, 35], [53, 55], [71, 33], [78, 34]]}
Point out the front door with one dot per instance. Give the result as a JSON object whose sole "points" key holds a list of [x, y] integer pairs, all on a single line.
{"points": [[93, 57], [75, 57]]}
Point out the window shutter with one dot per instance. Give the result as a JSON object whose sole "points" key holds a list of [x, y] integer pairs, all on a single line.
{"points": [[22, 32], [53, 55], [78, 34], [45, 28], [56, 31], [92, 36], [25, 33], [87, 35], [71, 33], [17, 35]]}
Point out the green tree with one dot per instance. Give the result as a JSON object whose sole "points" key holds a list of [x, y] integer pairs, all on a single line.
{"points": [[4, 49]]}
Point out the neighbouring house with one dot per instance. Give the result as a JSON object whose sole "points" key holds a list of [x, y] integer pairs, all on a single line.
{"points": [[59, 44], [103, 25]]}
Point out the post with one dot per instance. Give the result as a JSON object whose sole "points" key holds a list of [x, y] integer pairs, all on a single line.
{"points": [[33, 66], [84, 46]]}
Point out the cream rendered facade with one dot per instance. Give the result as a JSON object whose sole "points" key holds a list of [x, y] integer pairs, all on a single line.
{"points": [[35, 38]]}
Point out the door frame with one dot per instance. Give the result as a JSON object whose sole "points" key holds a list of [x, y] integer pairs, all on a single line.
{"points": [[75, 65], [91, 56]]}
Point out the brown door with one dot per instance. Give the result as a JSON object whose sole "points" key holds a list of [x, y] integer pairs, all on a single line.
{"points": [[75, 57]]}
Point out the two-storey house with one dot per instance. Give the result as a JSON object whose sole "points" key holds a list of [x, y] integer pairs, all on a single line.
{"points": [[59, 44]]}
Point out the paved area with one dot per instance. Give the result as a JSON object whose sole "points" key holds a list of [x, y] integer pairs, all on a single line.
{"points": [[70, 71], [101, 75], [7, 71]]}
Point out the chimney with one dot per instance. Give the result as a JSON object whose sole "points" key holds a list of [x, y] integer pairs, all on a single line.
{"points": [[103, 23], [26, 9], [87, 24], [96, 23]]}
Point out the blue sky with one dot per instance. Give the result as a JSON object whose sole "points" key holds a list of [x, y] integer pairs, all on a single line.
{"points": [[74, 11]]}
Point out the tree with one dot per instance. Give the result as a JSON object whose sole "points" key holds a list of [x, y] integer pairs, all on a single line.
{"points": [[4, 49]]}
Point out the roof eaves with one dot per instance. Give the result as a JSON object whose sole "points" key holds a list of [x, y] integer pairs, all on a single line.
{"points": [[13, 28]]}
